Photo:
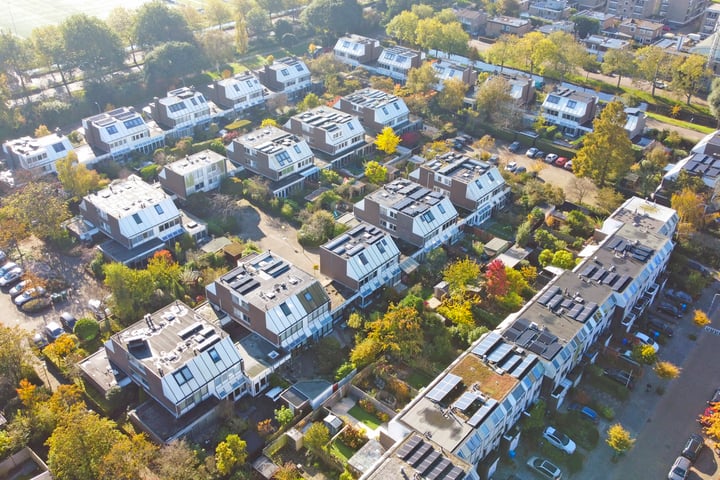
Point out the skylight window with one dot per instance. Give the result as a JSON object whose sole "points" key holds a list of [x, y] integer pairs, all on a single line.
{"points": [[572, 104], [296, 148], [285, 309], [135, 122], [159, 209], [249, 83], [237, 87], [428, 217], [299, 67], [183, 376], [285, 72], [214, 355], [441, 208], [363, 259], [59, 147], [112, 129], [137, 218], [308, 297]]}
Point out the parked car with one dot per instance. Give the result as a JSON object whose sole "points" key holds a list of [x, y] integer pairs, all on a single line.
{"points": [[693, 447], [641, 338], [514, 147], [559, 440], [678, 296], [494, 159], [544, 468], [19, 288], [68, 321], [11, 276], [568, 165], [7, 267], [39, 340], [520, 170], [539, 154], [531, 152], [657, 325], [679, 469], [585, 412], [28, 295], [511, 167], [561, 161], [621, 376], [550, 158], [628, 356], [669, 309], [715, 398], [53, 330]]}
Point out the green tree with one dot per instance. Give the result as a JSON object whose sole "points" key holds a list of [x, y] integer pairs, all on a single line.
{"points": [[333, 16], [217, 47], [230, 453], [619, 439], [16, 56], [157, 24], [563, 55], [503, 51], [316, 437], [652, 62], [122, 22], [77, 180], [387, 141], [563, 259], [714, 100], [536, 419], [494, 102], [258, 21], [403, 27], [607, 151], [216, 11], [689, 74], [42, 219], [13, 354], [49, 47], [546, 257], [171, 61], [128, 458], [429, 33], [241, 34], [620, 62], [316, 228], [422, 79], [131, 291], [452, 96], [585, 26], [607, 199], [534, 49], [310, 101], [79, 443], [91, 45], [284, 416], [375, 172], [461, 273]]}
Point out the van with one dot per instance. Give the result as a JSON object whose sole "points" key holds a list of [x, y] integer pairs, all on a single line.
{"points": [[274, 393]]}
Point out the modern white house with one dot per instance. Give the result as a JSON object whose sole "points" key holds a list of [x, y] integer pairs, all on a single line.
{"points": [[357, 50], [37, 154], [181, 110], [200, 172], [287, 75], [122, 131], [376, 110], [238, 93]]}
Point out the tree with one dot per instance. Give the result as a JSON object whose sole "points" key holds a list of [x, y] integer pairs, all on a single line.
{"points": [[230, 453], [287, 471], [16, 57], [645, 354], [310, 101], [157, 24], [127, 459], [454, 39], [42, 219], [317, 228], [79, 443], [503, 51], [165, 274], [284, 416], [269, 122], [620, 62], [689, 74], [170, 61], [217, 47], [421, 79], [458, 310], [714, 100], [365, 352], [398, 332], [49, 46], [607, 199], [585, 26], [13, 354], [607, 152], [122, 22], [258, 21], [563, 55], [690, 207], [666, 370], [177, 461], [434, 149], [652, 62], [272, 6], [241, 34], [77, 180], [700, 318], [533, 49], [131, 290], [333, 16], [494, 102], [619, 439], [387, 141], [496, 281], [316, 437], [563, 259], [375, 172], [403, 27], [461, 273], [91, 45], [536, 418], [452, 96], [216, 11]]}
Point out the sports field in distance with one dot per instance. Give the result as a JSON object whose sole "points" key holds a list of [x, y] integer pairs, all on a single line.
{"points": [[21, 16]]}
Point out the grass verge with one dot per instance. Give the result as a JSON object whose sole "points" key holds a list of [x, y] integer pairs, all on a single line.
{"points": [[680, 123]]}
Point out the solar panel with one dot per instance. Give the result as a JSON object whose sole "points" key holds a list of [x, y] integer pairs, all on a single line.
{"points": [[418, 454], [620, 283], [419, 193], [549, 293], [486, 344], [407, 448], [510, 362], [499, 353], [537, 348], [599, 274], [547, 338], [587, 312], [521, 324], [482, 412], [403, 203], [554, 302], [614, 243], [526, 337], [426, 464], [575, 311], [455, 474], [520, 370], [622, 244], [437, 471], [551, 351], [589, 270], [511, 334], [441, 390], [464, 402]]}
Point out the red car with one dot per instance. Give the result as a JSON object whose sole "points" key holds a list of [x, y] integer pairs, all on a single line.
{"points": [[560, 161], [704, 418]]}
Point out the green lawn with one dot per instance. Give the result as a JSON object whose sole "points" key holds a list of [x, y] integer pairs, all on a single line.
{"points": [[680, 123], [341, 451], [418, 379], [367, 418]]}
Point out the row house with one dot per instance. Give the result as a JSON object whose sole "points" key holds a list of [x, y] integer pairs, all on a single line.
{"points": [[682, 12], [376, 110], [288, 75], [121, 131], [502, 25], [709, 22], [550, 9], [199, 172], [472, 185], [334, 136], [446, 70], [139, 218], [410, 212], [363, 259], [271, 297], [37, 154], [703, 162], [598, 45], [572, 111], [285, 159], [179, 359], [181, 110], [644, 32], [357, 50], [473, 21], [238, 93], [396, 62]]}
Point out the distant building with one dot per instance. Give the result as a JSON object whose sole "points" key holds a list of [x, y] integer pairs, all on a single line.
{"points": [[267, 295], [635, 123], [278, 155], [445, 70], [604, 19], [357, 50], [550, 9], [396, 62], [199, 172], [682, 12], [634, 8], [709, 23], [599, 45], [121, 131], [410, 212], [473, 21], [703, 162], [502, 25], [181, 110], [642, 31], [37, 154], [376, 110], [570, 110], [238, 93], [288, 75]]}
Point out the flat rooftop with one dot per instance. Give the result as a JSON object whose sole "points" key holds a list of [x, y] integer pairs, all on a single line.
{"points": [[371, 98], [258, 354], [407, 197], [195, 161], [269, 140], [355, 240], [458, 166], [511, 21], [122, 198], [28, 145], [128, 115], [324, 118]]}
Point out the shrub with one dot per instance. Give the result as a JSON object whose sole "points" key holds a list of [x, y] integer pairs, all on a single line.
{"points": [[367, 405], [353, 437], [86, 329], [344, 370], [383, 417], [36, 305], [607, 412]]}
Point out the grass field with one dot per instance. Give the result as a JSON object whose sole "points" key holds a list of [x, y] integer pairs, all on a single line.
{"points": [[367, 418], [21, 16]]}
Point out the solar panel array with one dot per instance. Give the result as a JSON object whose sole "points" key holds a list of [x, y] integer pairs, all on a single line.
{"points": [[428, 462], [635, 249], [466, 400], [482, 413], [444, 387], [532, 338]]}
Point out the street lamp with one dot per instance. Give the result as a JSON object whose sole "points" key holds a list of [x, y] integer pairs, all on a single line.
{"points": [[98, 107], [713, 303]]}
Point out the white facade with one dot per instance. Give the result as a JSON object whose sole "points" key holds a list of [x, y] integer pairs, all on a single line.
{"points": [[120, 131], [290, 74], [37, 153], [199, 172], [386, 109], [570, 111], [240, 92], [396, 62], [330, 130], [183, 107], [353, 49]]}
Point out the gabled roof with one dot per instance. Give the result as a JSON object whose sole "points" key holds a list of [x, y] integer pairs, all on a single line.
{"points": [[364, 248]]}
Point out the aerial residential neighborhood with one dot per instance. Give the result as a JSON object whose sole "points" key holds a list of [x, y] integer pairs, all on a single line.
{"points": [[360, 240]]}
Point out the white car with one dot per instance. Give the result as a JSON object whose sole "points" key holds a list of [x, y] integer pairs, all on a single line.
{"points": [[679, 469], [559, 440], [53, 330], [641, 338], [11, 276], [7, 267], [19, 288], [511, 167], [545, 468], [28, 295], [550, 158]]}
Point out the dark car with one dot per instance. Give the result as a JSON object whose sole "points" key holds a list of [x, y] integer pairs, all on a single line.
{"points": [[669, 309], [585, 412], [493, 160], [678, 296], [539, 154], [68, 321], [520, 170], [514, 147], [620, 376], [693, 447], [715, 398], [657, 325]]}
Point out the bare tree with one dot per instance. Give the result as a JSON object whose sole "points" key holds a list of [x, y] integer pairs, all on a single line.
{"points": [[580, 187]]}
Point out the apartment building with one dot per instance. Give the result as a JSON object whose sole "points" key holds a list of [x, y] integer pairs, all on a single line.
{"points": [[550, 9], [37, 154], [604, 19], [179, 359], [572, 111], [121, 131], [181, 110], [633, 8], [282, 157], [446, 70], [362, 259], [473, 21], [334, 136], [682, 12], [410, 212], [396, 62], [200, 172], [709, 22], [138, 217], [288, 75], [238, 93], [376, 110], [644, 32], [357, 50], [267, 295]]}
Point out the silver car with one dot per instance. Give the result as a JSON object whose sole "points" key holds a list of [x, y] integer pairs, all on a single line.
{"points": [[679, 469], [559, 440], [544, 468]]}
